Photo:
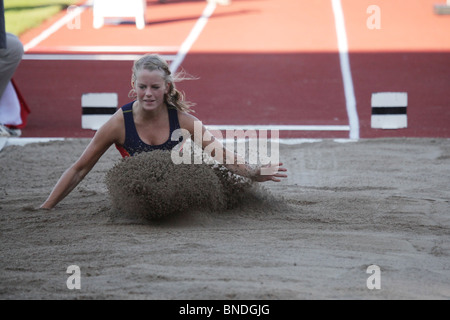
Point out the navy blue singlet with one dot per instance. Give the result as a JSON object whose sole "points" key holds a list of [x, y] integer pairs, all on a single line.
{"points": [[133, 143]]}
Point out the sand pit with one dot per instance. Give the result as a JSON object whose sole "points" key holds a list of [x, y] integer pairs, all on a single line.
{"points": [[344, 207]]}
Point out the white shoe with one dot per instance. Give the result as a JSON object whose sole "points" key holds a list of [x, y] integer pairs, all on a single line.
{"points": [[7, 132], [15, 132], [4, 131]]}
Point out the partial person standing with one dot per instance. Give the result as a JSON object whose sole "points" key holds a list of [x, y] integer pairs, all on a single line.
{"points": [[11, 53]]}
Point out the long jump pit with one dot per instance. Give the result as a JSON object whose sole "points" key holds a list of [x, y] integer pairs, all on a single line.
{"points": [[366, 219]]}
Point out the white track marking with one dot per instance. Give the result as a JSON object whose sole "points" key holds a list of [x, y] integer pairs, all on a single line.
{"points": [[110, 49], [70, 16], [25, 141], [345, 69], [89, 57], [193, 35], [279, 127]]}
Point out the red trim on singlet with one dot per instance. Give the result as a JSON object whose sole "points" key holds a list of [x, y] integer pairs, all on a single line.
{"points": [[124, 153]]}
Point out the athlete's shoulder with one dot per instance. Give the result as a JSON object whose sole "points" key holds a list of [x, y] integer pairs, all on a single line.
{"points": [[113, 130], [186, 118], [189, 122]]}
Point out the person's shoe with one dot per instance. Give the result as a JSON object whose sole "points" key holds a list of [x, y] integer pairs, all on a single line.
{"points": [[4, 131], [15, 132], [9, 132]]}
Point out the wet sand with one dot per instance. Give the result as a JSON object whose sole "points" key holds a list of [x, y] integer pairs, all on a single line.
{"points": [[343, 208]]}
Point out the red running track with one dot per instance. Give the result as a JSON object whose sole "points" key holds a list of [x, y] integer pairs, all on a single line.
{"points": [[259, 62]]}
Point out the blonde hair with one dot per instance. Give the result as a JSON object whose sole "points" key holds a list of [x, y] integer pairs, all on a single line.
{"points": [[174, 98]]}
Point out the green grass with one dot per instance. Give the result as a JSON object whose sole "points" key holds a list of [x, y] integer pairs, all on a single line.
{"points": [[22, 15]]}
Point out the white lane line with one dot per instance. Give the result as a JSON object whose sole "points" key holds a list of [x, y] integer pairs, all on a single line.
{"points": [[193, 35], [4, 142], [17, 141], [70, 16], [25, 141], [89, 57], [109, 49], [280, 127], [345, 69]]}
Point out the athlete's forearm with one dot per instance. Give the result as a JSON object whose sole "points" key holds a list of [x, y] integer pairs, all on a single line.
{"points": [[68, 181], [238, 165], [231, 160], [244, 170]]}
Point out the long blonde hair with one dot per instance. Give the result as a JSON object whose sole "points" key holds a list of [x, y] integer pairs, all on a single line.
{"points": [[174, 98]]}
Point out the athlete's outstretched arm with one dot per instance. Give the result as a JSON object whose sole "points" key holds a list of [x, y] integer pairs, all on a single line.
{"points": [[101, 142]]}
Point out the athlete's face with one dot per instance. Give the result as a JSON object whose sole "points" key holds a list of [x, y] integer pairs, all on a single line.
{"points": [[150, 88]]}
